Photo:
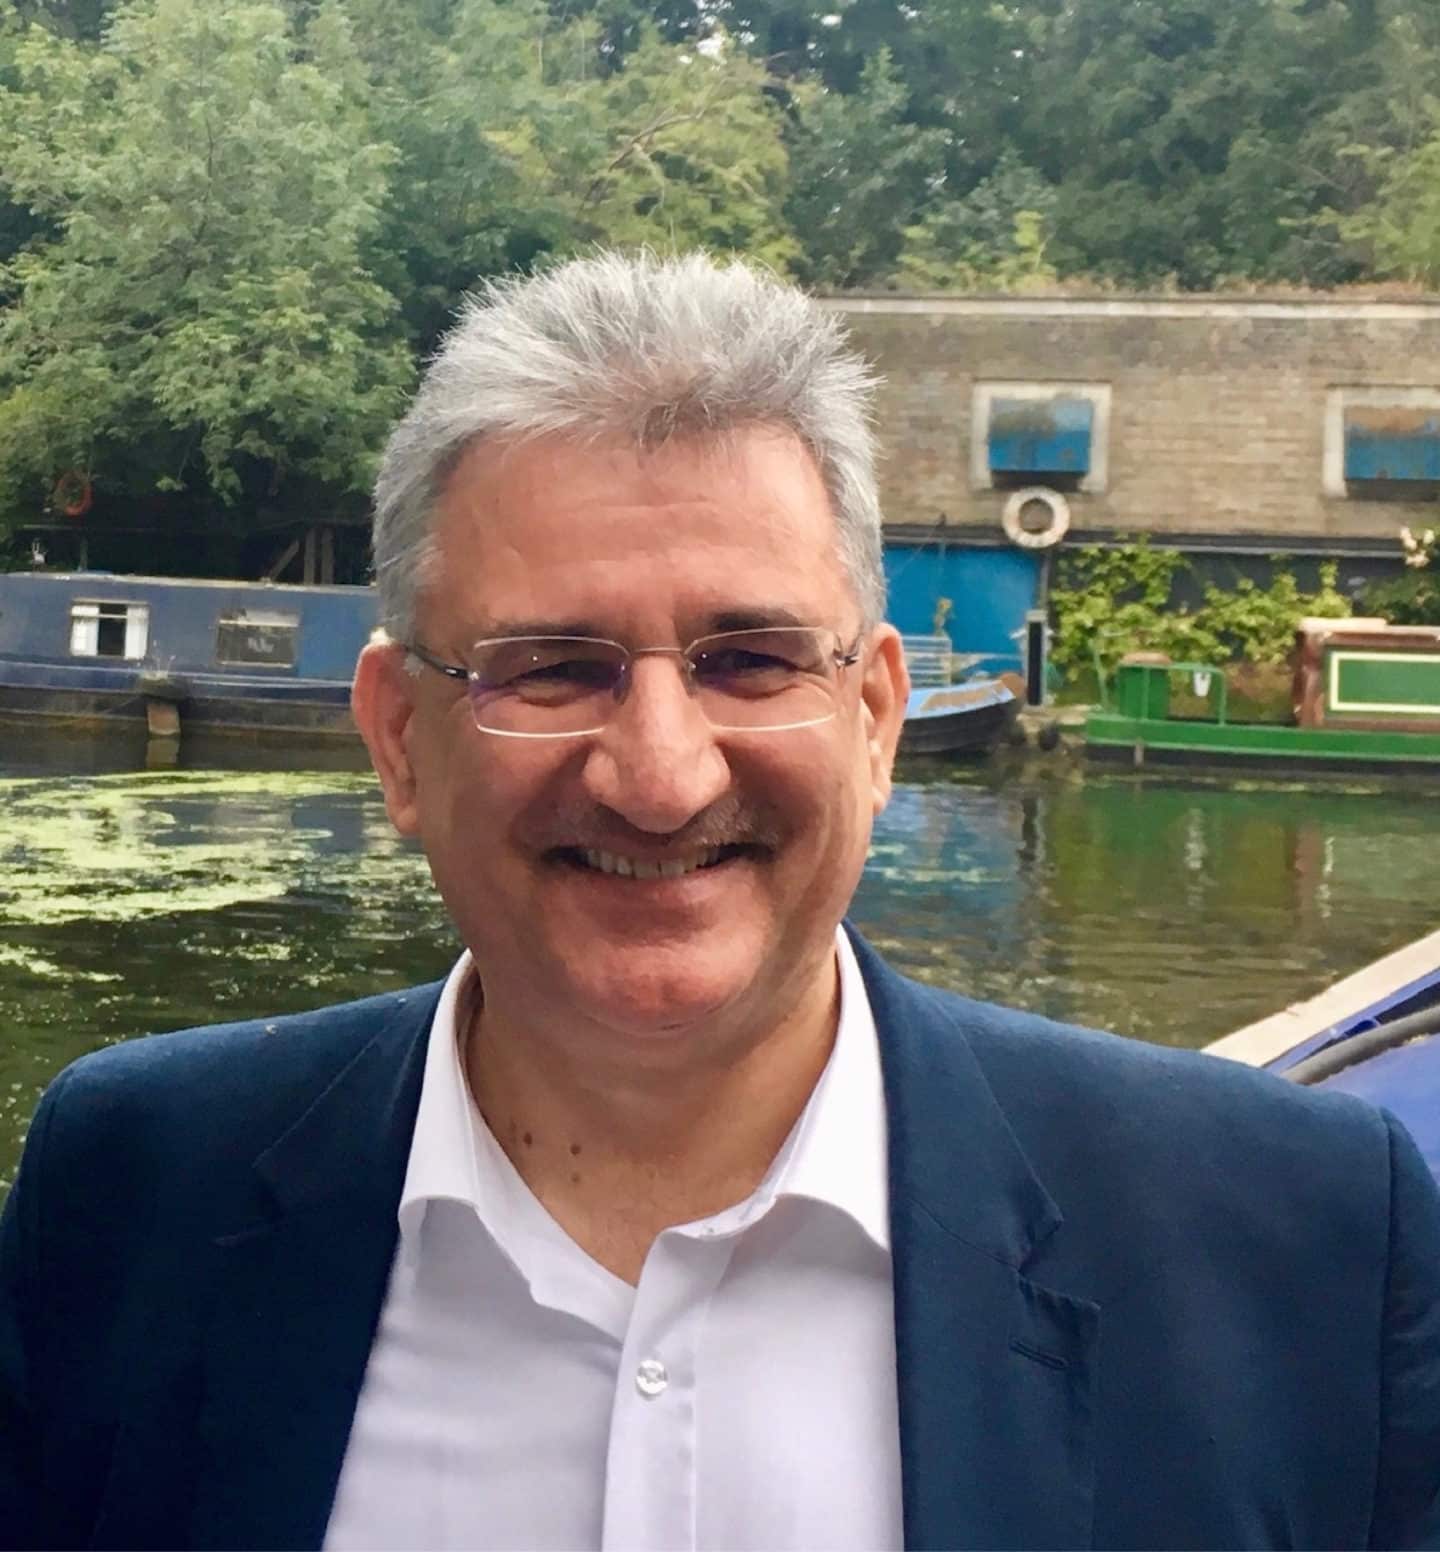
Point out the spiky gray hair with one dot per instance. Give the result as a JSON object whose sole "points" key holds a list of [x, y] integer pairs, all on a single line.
{"points": [[638, 347]]}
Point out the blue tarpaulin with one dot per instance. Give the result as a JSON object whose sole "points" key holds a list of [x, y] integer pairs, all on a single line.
{"points": [[1392, 444], [1040, 436]]}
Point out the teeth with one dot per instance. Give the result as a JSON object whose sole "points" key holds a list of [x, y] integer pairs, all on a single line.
{"points": [[640, 867]]}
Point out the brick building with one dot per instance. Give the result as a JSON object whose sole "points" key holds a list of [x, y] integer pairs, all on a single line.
{"points": [[1231, 428]]}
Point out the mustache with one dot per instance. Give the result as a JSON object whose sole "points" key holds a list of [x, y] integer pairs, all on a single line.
{"points": [[730, 821]]}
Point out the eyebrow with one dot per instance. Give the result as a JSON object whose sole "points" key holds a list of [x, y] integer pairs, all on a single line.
{"points": [[735, 619], [755, 619], [486, 629]]}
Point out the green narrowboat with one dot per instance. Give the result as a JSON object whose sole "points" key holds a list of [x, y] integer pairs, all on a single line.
{"points": [[1365, 697]]}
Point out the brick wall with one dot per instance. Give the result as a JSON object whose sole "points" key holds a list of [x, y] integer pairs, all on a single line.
{"points": [[1218, 412]]}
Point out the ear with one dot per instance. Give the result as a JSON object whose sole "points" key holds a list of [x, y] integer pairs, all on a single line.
{"points": [[884, 691], [382, 700]]}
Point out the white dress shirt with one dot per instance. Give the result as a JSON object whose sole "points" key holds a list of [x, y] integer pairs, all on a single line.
{"points": [[742, 1395]]}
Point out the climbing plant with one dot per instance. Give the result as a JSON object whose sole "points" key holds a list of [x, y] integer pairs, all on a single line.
{"points": [[1108, 602]]}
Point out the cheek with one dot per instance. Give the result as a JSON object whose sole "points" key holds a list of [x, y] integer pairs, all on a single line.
{"points": [[497, 798], [452, 787], [839, 791]]}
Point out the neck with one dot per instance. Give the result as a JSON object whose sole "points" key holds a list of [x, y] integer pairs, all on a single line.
{"points": [[619, 1149]]}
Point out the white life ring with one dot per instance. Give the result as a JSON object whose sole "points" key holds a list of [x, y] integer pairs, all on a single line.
{"points": [[1036, 538]]}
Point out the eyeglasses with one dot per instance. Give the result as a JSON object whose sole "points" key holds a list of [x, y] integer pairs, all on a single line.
{"points": [[767, 680]]}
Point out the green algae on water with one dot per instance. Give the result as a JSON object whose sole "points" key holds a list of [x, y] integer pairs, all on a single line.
{"points": [[130, 846]]}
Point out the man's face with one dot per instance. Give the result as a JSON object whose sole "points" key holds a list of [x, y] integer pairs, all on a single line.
{"points": [[650, 550]]}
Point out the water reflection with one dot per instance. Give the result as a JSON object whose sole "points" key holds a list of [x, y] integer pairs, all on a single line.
{"points": [[135, 899], [1174, 910]]}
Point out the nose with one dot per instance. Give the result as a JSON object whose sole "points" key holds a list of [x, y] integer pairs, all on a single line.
{"points": [[657, 762]]}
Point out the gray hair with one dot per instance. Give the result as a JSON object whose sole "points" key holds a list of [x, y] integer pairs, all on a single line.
{"points": [[639, 347]]}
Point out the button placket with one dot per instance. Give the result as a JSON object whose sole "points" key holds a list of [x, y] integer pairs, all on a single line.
{"points": [[650, 1478]]}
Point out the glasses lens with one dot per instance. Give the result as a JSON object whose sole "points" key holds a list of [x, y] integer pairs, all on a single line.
{"points": [[544, 684], [778, 678]]}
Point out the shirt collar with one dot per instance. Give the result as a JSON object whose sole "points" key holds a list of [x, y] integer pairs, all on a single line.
{"points": [[837, 1151], [835, 1154], [443, 1165]]}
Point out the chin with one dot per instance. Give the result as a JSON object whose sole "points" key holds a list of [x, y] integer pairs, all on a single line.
{"points": [[656, 993]]}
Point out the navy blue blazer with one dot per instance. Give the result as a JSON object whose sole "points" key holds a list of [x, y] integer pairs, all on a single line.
{"points": [[1143, 1298]]}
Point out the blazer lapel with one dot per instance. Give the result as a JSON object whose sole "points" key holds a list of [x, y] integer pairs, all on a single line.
{"points": [[300, 1286], [996, 1372]]}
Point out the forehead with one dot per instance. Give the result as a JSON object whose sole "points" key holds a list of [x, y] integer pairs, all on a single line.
{"points": [[554, 532]]}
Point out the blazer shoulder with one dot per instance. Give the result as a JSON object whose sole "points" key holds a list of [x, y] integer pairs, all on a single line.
{"points": [[1172, 1096], [1103, 1110], [216, 1085]]}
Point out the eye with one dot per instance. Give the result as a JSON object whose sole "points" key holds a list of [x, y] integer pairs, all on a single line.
{"points": [[755, 663], [545, 670], [580, 672], [736, 662]]}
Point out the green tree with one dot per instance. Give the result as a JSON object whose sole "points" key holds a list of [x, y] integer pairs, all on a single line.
{"points": [[19, 225], [77, 19], [1374, 168], [621, 26], [995, 237], [936, 92], [1388, 213], [1182, 134], [519, 137], [680, 148], [1401, 229], [859, 173], [202, 320], [456, 89]]}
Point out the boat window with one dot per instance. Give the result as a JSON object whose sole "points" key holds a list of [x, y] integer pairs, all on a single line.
{"points": [[99, 629], [258, 638]]}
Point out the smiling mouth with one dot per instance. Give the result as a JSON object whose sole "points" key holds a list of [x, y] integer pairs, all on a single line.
{"points": [[617, 865]]}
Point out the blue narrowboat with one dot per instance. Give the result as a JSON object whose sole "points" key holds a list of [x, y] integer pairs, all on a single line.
{"points": [[242, 656], [1375, 1034], [967, 718]]}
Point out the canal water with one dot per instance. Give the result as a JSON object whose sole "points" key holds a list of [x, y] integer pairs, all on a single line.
{"points": [[135, 899]]}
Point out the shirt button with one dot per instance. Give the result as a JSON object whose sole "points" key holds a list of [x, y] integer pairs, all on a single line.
{"points": [[651, 1378]]}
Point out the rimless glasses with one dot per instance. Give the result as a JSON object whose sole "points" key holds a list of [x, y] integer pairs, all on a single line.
{"points": [[768, 680]]}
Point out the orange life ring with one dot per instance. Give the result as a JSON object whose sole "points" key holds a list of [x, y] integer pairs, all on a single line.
{"points": [[73, 493]]}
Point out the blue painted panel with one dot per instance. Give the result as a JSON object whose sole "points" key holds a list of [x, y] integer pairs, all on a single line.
{"points": [[1406, 1081], [1371, 457], [990, 588], [1040, 436]]}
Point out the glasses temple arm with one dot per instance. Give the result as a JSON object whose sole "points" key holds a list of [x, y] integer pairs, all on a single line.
{"points": [[431, 661]]}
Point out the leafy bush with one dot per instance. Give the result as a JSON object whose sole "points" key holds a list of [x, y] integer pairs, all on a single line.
{"points": [[1411, 599], [1257, 625], [1109, 602]]}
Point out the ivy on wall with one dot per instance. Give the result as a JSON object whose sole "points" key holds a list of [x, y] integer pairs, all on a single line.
{"points": [[1109, 602]]}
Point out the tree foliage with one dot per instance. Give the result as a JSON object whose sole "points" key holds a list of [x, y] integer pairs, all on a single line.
{"points": [[993, 238], [201, 313], [859, 175], [229, 228], [518, 137]]}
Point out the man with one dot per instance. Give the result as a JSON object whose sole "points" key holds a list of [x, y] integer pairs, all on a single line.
{"points": [[674, 1218]]}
